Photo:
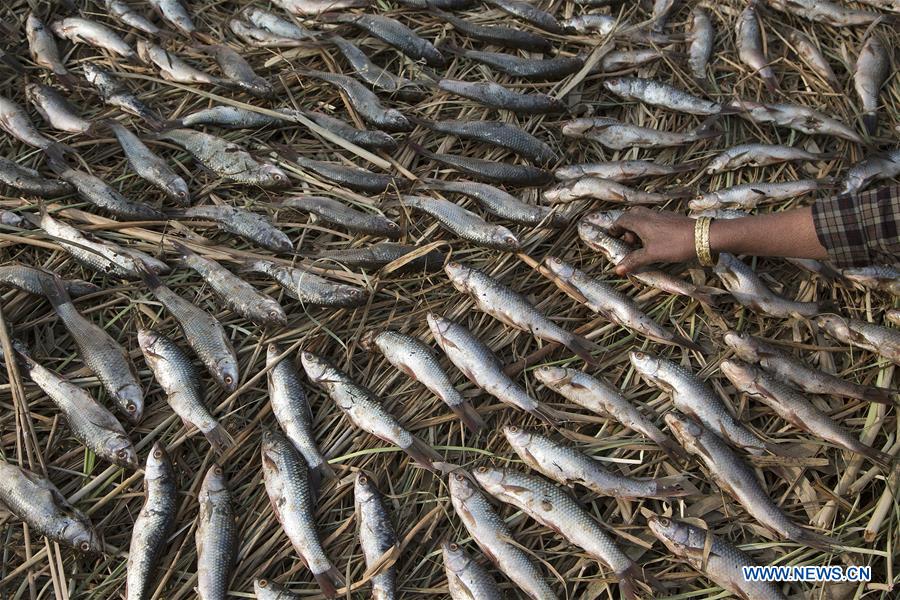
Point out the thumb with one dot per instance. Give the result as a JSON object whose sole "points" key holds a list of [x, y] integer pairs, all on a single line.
{"points": [[633, 261]]}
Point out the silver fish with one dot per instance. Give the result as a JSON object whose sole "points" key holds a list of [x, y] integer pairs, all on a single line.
{"points": [[822, 11], [217, 536], [277, 25], [99, 193], [736, 478], [16, 123], [758, 155], [28, 279], [172, 67], [418, 361], [43, 49], [567, 466], [30, 181], [893, 316], [750, 291], [627, 59], [100, 353], [178, 378], [376, 535], [482, 367], [657, 93], [873, 67], [203, 332], [748, 195], [239, 71], [115, 93], [513, 309], [378, 255], [174, 14], [56, 110], [314, 7], [364, 101], [129, 16], [793, 407], [149, 536], [259, 37], [308, 287], [695, 398], [660, 13], [494, 537], [92, 33], [750, 41], [229, 117], [244, 223], [797, 117], [622, 136], [554, 508], [38, 502], [332, 211], [287, 485], [607, 190], [149, 166], [463, 223], [620, 170], [702, 38], [713, 556], [292, 411], [871, 169], [868, 336], [877, 277], [501, 203], [269, 590], [467, 579], [815, 60], [365, 410]]}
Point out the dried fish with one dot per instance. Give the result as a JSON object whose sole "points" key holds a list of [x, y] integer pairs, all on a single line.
{"points": [[622, 136], [759, 155], [463, 223], [396, 34], [608, 190], [529, 13], [496, 133], [750, 42], [657, 93], [308, 287], [814, 59], [862, 334], [149, 166], [496, 96], [129, 16], [702, 40], [747, 195], [826, 12], [364, 101], [44, 52], [620, 170], [92, 33], [515, 66], [871, 169], [796, 117], [467, 579], [876, 277], [30, 280], [500, 203], [750, 291], [378, 255], [498, 35], [217, 536], [115, 93], [16, 123], [376, 536], [172, 67], [354, 178], [238, 70], [30, 181], [174, 14], [365, 138], [873, 67], [99, 193], [56, 110], [314, 7]]}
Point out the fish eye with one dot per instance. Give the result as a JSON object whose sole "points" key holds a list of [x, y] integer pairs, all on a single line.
{"points": [[460, 477], [454, 547], [363, 479], [482, 469], [122, 454], [514, 429], [157, 454], [229, 379], [217, 470], [263, 583], [640, 355], [85, 546], [131, 407]]}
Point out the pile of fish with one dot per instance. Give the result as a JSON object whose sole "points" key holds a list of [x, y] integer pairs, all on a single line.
{"points": [[520, 74]]}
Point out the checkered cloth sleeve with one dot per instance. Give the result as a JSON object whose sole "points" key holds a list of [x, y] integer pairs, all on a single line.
{"points": [[860, 230]]}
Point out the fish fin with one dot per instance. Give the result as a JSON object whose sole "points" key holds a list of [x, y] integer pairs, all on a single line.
{"points": [[816, 540], [870, 122], [418, 149], [706, 294], [55, 291], [549, 415], [669, 490], [219, 438], [877, 395], [328, 582], [469, 416], [420, 121], [628, 582], [707, 128], [688, 343], [675, 452], [583, 348], [450, 47], [423, 454], [771, 83], [882, 459], [150, 278], [57, 151]]}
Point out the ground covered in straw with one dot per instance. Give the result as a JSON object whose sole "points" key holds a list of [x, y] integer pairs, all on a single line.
{"points": [[837, 492]]}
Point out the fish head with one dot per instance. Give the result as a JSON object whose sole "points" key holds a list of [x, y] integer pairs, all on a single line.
{"points": [[577, 127], [685, 430], [462, 485], [490, 479], [214, 481], [438, 325], [740, 374], [603, 219], [556, 193], [742, 345], [274, 175], [144, 50], [180, 190], [273, 447], [81, 535], [147, 339], [504, 238], [227, 372], [558, 267], [316, 367], [728, 270], [364, 489], [516, 436], [679, 537], [120, 446], [458, 275], [273, 351], [455, 558], [647, 365], [616, 85], [552, 376], [834, 325], [265, 589], [158, 466]]}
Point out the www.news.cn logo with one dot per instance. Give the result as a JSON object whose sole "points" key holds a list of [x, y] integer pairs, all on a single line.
{"points": [[808, 573]]}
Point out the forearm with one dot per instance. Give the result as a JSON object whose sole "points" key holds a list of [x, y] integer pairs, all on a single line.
{"points": [[791, 234]]}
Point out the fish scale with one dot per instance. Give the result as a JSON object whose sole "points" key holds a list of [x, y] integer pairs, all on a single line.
{"points": [[466, 579], [217, 536], [308, 287], [376, 535]]}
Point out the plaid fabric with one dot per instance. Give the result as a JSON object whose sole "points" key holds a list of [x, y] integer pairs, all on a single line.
{"points": [[860, 230]]}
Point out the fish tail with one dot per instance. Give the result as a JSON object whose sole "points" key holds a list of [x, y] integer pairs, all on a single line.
{"points": [[219, 438], [153, 122], [882, 459], [324, 471], [469, 416], [628, 582], [549, 415], [678, 193], [420, 121], [56, 159], [687, 343], [328, 582], [584, 348], [150, 278], [170, 124], [55, 291], [816, 540], [675, 452], [183, 250], [877, 395], [669, 490], [707, 128], [870, 123], [423, 454], [770, 81], [67, 80], [706, 294], [418, 149]]}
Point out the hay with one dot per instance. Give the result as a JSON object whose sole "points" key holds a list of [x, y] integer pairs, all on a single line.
{"points": [[844, 496]]}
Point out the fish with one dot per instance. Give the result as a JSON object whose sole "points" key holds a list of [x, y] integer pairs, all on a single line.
{"points": [[883, 341], [100, 256], [365, 411], [876, 277], [797, 117], [619, 170], [363, 101], [489, 170], [354, 178], [657, 93], [463, 223], [308, 287], [821, 11], [94, 190], [259, 37], [599, 397], [292, 411], [93, 33], [529, 13], [377, 255], [173, 13], [552, 69], [814, 59], [513, 309], [285, 475], [466, 579], [616, 135], [127, 15], [618, 60], [482, 367], [796, 409], [217, 536], [44, 51], [178, 378], [337, 213], [99, 352], [366, 138], [554, 508], [702, 41], [568, 466], [893, 316], [497, 96], [796, 372], [736, 477], [28, 279], [34, 499], [607, 190], [227, 159], [495, 35], [315, 7], [872, 69], [418, 361], [660, 14], [269, 590], [374, 75], [228, 117], [153, 525], [277, 25], [376, 535], [496, 133], [238, 70], [713, 556], [30, 181], [149, 166], [695, 398], [750, 42], [394, 33], [749, 290], [871, 169], [495, 538], [12, 219], [747, 196], [202, 331], [15, 122], [619, 308], [501, 203], [759, 155], [56, 110], [115, 93], [91, 423], [173, 68]]}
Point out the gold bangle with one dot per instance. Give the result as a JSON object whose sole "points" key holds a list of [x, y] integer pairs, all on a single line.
{"points": [[701, 241]]}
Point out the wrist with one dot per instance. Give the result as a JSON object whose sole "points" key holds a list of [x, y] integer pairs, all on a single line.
{"points": [[702, 243]]}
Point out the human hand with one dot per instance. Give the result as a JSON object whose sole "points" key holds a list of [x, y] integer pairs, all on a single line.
{"points": [[664, 237]]}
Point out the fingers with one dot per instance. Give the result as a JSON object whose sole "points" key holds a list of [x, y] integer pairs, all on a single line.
{"points": [[633, 261], [630, 220]]}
